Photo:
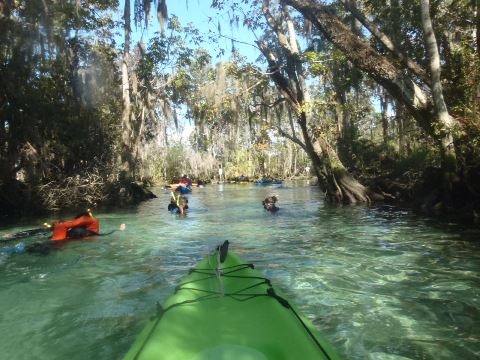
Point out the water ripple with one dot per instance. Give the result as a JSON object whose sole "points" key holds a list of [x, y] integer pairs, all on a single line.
{"points": [[380, 282]]}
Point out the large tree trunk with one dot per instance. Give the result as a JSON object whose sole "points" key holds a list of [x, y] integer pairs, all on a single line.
{"points": [[348, 190], [345, 129], [478, 28], [401, 129], [444, 118], [476, 100], [339, 185], [127, 159], [6, 163]]}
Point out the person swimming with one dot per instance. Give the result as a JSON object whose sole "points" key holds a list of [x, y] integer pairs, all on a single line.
{"points": [[270, 203], [84, 225], [178, 204], [185, 181]]}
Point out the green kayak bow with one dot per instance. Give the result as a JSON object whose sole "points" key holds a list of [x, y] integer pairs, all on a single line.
{"points": [[224, 309]]}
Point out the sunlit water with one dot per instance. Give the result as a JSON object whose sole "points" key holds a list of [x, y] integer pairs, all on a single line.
{"points": [[379, 283]]}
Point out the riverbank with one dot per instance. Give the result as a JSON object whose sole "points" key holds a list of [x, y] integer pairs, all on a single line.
{"points": [[423, 191], [430, 192], [71, 194]]}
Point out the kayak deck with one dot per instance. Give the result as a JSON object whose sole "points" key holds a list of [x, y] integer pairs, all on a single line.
{"points": [[228, 311]]}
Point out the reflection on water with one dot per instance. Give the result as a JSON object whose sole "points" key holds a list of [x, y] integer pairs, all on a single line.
{"points": [[380, 283]]}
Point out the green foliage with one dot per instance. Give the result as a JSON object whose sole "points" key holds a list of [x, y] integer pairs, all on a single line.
{"points": [[316, 62], [174, 162], [241, 163], [59, 95], [379, 158]]}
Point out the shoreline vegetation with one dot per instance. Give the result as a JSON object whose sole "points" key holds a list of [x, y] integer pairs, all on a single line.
{"points": [[410, 190], [379, 103], [70, 194]]}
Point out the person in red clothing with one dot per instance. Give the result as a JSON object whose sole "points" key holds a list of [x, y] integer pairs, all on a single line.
{"points": [[83, 225], [185, 181]]}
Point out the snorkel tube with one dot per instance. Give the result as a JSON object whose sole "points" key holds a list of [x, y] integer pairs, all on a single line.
{"points": [[176, 199]]}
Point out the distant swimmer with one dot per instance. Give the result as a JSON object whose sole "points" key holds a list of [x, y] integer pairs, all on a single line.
{"points": [[270, 203], [185, 181], [178, 204]]}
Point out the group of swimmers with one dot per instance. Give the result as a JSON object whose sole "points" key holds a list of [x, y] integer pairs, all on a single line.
{"points": [[84, 225], [185, 181], [179, 203]]}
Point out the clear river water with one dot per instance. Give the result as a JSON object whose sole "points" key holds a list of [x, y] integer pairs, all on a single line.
{"points": [[378, 282]]}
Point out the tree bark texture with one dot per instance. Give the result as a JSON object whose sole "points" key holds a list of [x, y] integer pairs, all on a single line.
{"points": [[345, 188], [127, 160], [478, 27], [444, 118]]}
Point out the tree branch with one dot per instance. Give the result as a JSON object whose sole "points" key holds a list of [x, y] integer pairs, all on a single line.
{"points": [[295, 139], [414, 67], [270, 105], [277, 77], [366, 58], [238, 41]]}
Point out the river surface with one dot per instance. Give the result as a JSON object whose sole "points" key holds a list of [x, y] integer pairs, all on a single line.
{"points": [[379, 283]]}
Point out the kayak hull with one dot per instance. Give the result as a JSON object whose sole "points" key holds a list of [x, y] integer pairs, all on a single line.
{"points": [[174, 186], [183, 189], [198, 322], [266, 183]]}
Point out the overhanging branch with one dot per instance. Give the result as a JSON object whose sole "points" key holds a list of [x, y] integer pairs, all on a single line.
{"points": [[295, 139]]}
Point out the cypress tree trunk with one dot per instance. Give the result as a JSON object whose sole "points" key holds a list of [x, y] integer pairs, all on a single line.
{"points": [[348, 190], [340, 187], [401, 130], [478, 28]]}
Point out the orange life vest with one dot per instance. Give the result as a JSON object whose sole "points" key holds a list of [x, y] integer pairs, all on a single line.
{"points": [[60, 229]]}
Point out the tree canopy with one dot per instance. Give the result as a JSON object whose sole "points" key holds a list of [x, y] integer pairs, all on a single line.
{"points": [[381, 100]]}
